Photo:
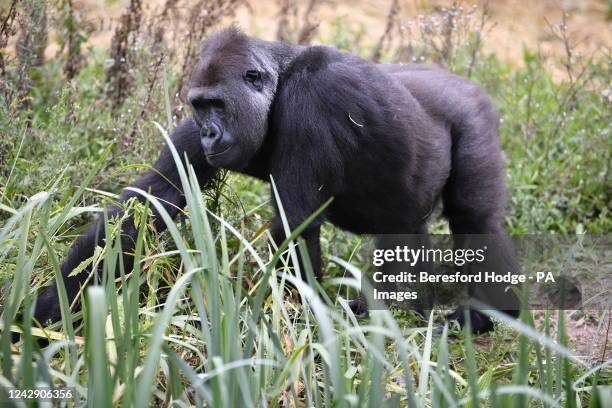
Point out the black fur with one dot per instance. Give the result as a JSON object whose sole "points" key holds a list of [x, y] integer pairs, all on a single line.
{"points": [[387, 141]]}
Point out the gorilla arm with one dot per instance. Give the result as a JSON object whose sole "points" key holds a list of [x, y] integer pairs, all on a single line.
{"points": [[162, 182], [309, 141]]}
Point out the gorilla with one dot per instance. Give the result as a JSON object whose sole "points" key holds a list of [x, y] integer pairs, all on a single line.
{"points": [[386, 141]]}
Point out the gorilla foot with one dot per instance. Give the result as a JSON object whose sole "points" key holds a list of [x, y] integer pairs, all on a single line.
{"points": [[480, 322], [47, 308], [359, 306]]}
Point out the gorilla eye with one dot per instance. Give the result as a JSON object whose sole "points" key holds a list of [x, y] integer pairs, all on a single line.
{"points": [[254, 78]]}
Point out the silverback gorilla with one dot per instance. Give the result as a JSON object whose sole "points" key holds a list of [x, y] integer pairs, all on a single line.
{"points": [[386, 141]]}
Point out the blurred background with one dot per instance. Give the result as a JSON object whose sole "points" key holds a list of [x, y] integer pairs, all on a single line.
{"points": [[71, 28], [517, 23]]}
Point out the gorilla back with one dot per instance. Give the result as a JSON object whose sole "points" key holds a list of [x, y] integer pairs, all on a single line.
{"points": [[385, 141]]}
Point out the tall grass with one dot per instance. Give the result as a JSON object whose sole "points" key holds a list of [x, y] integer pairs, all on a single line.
{"points": [[212, 340]]}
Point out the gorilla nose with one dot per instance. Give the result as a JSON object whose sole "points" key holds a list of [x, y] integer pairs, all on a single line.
{"points": [[211, 131]]}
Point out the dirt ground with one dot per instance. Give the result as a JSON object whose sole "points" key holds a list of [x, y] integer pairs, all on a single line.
{"points": [[588, 333]]}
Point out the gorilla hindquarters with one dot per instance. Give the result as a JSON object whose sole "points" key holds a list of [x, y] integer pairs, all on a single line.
{"points": [[385, 141]]}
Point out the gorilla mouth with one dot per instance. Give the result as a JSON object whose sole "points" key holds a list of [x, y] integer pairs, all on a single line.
{"points": [[215, 154]]}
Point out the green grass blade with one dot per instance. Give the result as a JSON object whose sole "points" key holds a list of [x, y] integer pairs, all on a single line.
{"points": [[100, 382]]}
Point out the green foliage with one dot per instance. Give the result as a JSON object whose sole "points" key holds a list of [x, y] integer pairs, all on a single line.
{"points": [[556, 139]]}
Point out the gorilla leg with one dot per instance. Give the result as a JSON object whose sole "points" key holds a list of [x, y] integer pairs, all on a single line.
{"points": [[474, 200], [417, 239], [164, 183]]}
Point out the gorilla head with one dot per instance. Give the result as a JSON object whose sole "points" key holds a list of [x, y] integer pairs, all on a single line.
{"points": [[231, 92]]}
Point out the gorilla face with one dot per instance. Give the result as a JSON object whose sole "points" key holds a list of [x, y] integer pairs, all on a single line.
{"points": [[231, 91]]}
